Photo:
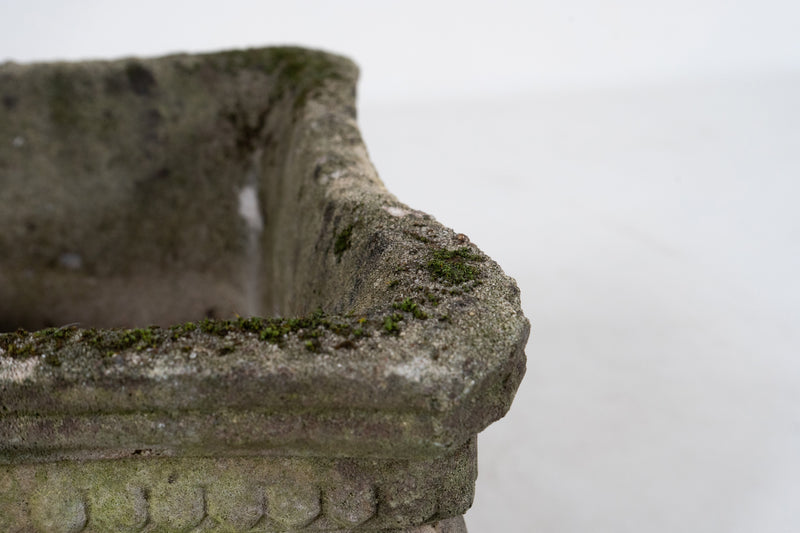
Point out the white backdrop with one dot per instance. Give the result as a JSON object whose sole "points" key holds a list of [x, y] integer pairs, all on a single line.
{"points": [[634, 165]]}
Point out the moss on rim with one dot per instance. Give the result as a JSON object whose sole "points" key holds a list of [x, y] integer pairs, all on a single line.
{"points": [[453, 266], [342, 243], [410, 306], [22, 344]]}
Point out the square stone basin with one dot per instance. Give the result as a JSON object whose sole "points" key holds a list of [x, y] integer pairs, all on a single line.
{"points": [[216, 317]]}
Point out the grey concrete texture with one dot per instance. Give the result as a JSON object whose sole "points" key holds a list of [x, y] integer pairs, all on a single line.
{"points": [[258, 494], [162, 215]]}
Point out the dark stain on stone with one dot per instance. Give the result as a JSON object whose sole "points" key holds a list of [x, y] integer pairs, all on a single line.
{"points": [[62, 99], [153, 117], [323, 242], [375, 247], [151, 123], [355, 290], [108, 122], [342, 242], [249, 134], [114, 84], [345, 344], [10, 102], [140, 79], [327, 215], [161, 173]]}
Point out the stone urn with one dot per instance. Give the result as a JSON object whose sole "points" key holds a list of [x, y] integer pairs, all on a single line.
{"points": [[215, 317]]}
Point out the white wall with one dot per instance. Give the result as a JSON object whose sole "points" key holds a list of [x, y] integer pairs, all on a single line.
{"points": [[634, 165], [428, 49]]}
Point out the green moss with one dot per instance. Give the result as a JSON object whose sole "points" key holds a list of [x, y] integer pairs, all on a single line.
{"points": [[298, 72], [181, 330], [91, 337], [140, 339], [275, 330], [25, 344], [270, 333], [359, 332], [391, 324], [303, 72], [342, 242], [55, 333], [108, 342], [453, 266], [18, 350], [343, 330], [219, 328], [409, 306], [253, 324]]}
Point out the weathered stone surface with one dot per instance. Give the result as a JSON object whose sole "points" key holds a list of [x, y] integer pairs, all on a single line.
{"points": [[119, 506], [235, 494], [58, 505], [350, 505], [157, 213], [235, 502], [451, 525]]}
